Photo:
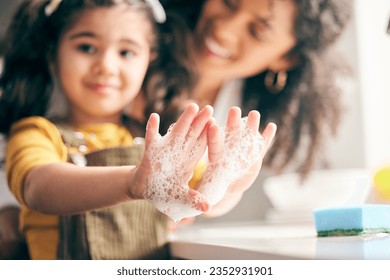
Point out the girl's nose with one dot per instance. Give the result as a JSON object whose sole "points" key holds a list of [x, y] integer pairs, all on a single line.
{"points": [[105, 64]]}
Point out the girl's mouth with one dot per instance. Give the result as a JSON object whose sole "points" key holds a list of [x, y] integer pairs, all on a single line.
{"points": [[102, 88]]}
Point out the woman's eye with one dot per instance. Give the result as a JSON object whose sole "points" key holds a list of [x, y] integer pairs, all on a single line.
{"points": [[256, 32], [231, 4], [127, 53], [87, 48]]}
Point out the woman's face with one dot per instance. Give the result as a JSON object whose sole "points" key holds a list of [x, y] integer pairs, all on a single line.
{"points": [[241, 38]]}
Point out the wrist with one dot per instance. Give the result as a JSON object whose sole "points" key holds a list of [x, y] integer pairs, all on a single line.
{"points": [[135, 184]]}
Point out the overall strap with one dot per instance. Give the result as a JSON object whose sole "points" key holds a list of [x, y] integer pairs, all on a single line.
{"points": [[75, 142], [73, 242]]}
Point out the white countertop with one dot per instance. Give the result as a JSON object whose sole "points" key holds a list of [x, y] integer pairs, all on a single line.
{"points": [[257, 240]]}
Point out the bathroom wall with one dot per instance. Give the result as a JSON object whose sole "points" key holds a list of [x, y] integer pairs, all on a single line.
{"points": [[373, 57]]}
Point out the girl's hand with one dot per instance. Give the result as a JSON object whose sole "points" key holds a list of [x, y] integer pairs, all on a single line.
{"points": [[245, 181], [164, 172], [235, 158]]}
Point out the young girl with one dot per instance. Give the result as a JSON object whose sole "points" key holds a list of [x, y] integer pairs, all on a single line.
{"points": [[96, 53]]}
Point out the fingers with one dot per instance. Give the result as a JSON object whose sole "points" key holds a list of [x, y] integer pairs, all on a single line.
{"points": [[200, 200], [253, 120], [204, 135], [199, 148], [184, 122], [152, 129], [192, 122], [234, 118], [203, 139], [269, 134], [214, 142], [199, 124]]}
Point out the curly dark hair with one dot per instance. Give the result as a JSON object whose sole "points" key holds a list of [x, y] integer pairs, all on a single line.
{"points": [[171, 76], [26, 85], [309, 108]]}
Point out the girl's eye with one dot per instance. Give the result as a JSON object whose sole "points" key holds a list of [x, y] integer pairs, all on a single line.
{"points": [[87, 48], [127, 53]]}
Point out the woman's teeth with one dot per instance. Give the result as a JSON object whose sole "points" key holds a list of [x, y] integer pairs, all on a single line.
{"points": [[216, 49]]}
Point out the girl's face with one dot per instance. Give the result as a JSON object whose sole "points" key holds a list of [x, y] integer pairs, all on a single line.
{"points": [[101, 62], [241, 38]]}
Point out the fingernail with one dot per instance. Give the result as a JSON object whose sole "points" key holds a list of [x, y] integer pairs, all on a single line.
{"points": [[203, 206]]}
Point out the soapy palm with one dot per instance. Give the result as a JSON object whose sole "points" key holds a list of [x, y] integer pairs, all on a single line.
{"points": [[238, 159], [169, 161], [247, 179], [234, 160]]}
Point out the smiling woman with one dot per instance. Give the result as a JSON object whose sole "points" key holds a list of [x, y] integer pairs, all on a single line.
{"points": [[230, 34], [273, 56]]}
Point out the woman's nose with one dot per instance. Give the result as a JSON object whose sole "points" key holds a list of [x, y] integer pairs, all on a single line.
{"points": [[105, 64], [230, 28]]}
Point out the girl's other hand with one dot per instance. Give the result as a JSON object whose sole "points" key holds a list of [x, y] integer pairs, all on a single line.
{"points": [[235, 161]]}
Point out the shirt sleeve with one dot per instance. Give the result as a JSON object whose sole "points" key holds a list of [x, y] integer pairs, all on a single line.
{"points": [[33, 142]]}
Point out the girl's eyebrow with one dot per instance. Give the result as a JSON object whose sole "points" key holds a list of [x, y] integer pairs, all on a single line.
{"points": [[82, 34], [93, 35]]}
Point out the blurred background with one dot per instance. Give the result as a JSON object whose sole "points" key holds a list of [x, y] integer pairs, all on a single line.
{"points": [[363, 141]]}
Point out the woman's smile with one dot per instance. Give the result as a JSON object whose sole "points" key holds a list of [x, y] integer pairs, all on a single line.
{"points": [[213, 48]]}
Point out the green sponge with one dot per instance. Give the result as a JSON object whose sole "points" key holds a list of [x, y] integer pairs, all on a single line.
{"points": [[352, 220]]}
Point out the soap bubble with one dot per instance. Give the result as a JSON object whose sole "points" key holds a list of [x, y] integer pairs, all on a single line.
{"points": [[242, 148], [167, 187]]}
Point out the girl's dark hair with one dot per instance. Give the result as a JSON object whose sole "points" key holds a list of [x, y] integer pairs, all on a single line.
{"points": [[171, 75], [308, 109], [26, 85]]}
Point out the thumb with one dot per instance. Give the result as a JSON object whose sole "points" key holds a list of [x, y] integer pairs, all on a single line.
{"points": [[152, 129]]}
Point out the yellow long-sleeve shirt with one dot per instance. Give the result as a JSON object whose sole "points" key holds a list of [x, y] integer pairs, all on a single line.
{"points": [[35, 141]]}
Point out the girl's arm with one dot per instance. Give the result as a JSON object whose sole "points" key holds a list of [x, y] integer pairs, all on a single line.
{"points": [[63, 188]]}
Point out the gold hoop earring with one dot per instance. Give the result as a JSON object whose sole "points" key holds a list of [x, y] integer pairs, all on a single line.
{"points": [[275, 82]]}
